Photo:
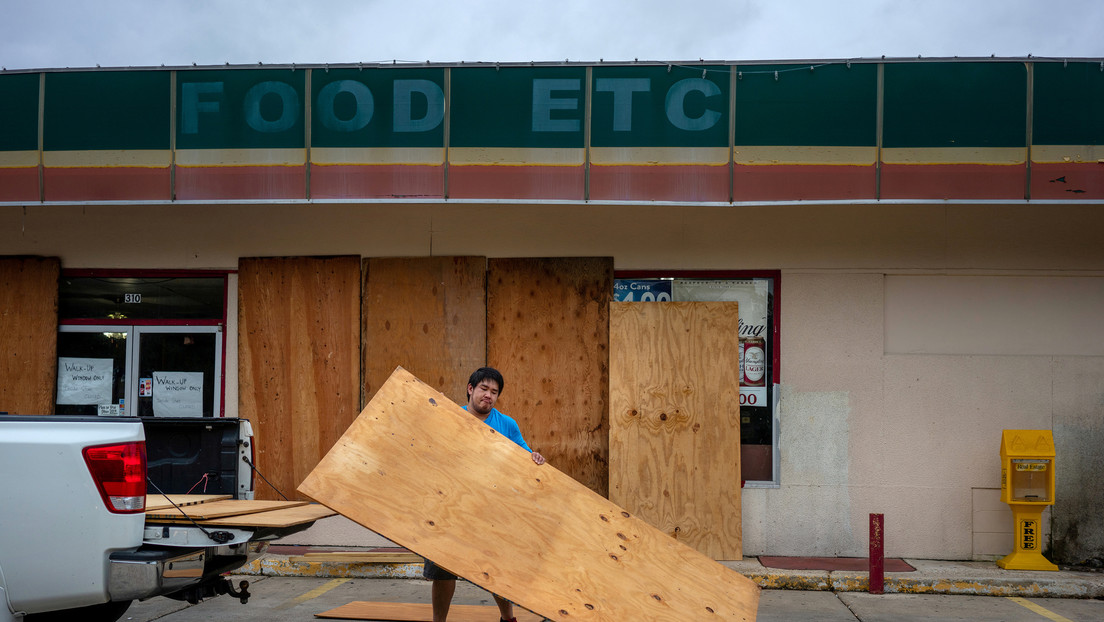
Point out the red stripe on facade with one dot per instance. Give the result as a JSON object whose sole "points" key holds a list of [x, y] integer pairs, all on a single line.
{"points": [[241, 182], [802, 182], [953, 181], [517, 182], [116, 183], [377, 181], [1067, 180], [659, 183], [19, 184]]}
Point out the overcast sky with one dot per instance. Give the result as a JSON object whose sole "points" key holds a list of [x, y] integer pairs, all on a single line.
{"points": [[113, 33]]}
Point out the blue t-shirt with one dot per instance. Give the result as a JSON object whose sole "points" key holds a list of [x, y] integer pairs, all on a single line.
{"points": [[506, 426]]}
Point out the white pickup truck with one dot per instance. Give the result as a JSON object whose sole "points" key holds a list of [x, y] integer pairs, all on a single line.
{"points": [[74, 540]]}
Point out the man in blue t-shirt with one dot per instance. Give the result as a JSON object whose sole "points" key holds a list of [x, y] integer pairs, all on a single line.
{"points": [[484, 387]]}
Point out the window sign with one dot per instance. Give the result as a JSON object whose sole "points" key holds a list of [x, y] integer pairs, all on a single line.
{"points": [[84, 381], [758, 408], [177, 394]]}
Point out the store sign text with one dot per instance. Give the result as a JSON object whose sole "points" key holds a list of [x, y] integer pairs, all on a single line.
{"points": [[549, 96]]}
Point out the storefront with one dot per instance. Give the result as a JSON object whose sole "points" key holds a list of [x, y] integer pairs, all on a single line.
{"points": [[913, 246]]}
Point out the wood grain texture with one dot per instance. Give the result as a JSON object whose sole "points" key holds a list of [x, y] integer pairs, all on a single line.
{"points": [[160, 502], [218, 509], [28, 339], [419, 612], [417, 469], [675, 420], [548, 333], [284, 517], [299, 360], [427, 314]]}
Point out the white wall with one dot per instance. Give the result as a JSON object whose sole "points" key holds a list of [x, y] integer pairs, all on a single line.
{"points": [[901, 357]]}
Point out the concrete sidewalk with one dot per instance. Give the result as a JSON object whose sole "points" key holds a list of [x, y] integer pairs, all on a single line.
{"points": [[929, 576]]}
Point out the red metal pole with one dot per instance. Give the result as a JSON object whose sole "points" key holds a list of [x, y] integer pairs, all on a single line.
{"points": [[877, 553]]}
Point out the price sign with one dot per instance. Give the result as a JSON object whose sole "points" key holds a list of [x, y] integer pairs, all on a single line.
{"points": [[753, 396], [625, 290]]}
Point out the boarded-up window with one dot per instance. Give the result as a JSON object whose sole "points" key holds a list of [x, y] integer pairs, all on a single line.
{"points": [[548, 332], [28, 334], [298, 348]]}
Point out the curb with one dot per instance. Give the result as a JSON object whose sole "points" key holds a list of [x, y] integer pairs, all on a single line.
{"points": [[949, 578]]}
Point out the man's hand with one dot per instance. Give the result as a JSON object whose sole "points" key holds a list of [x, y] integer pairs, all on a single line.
{"points": [[539, 459]]}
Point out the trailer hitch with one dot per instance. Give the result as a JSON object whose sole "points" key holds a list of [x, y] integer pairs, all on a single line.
{"points": [[217, 588], [242, 593]]}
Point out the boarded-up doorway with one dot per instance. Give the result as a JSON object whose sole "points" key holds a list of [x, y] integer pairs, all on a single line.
{"points": [[548, 331], [28, 341], [299, 357], [675, 420]]}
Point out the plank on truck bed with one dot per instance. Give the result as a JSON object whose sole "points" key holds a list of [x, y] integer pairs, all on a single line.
{"points": [[218, 509], [419, 470]]}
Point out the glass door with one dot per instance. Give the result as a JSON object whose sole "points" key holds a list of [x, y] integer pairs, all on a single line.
{"points": [[92, 370], [177, 371]]}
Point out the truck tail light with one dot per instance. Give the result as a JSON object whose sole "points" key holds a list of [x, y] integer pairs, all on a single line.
{"points": [[120, 475]]}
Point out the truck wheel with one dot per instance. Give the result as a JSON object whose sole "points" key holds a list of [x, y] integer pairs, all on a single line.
{"points": [[104, 612]]}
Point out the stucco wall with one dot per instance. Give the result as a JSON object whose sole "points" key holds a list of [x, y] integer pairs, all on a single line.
{"points": [[865, 426]]}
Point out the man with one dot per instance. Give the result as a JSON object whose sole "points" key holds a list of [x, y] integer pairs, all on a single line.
{"points": [[484, 387]]}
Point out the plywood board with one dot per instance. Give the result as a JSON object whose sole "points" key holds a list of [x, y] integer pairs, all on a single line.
{"points": [[419, 470], [160, 502], [428, 314], [285, 517], [548, 332], [299, 360], [419, 612], [675, 420], [218, 509], [28, 340]]}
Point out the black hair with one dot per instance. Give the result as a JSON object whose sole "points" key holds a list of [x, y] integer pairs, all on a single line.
{"points": [[486, 373]]}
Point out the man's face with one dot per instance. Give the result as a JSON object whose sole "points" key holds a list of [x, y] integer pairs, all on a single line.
{"points": [[482, 397]]}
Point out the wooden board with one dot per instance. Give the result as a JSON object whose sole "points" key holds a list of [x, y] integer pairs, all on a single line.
{"points": [[284, 517], [548, 332], [428, 314], [28, 337], [218, 509], [417, 469], [299, 360], [160, 502], [675, 420], [419, 612]]}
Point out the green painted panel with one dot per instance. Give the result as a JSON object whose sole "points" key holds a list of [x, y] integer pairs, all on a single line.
{"points": [[95, 110], [662, 106], [240, 109], [401, 107], [19, 112], [961, 104], [832, 105], [1068, 100], [517, 107]]}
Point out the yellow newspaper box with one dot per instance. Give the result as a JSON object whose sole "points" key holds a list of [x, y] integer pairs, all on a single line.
{"points": [[1027, 485]]}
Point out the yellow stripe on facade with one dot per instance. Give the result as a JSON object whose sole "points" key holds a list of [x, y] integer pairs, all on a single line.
{"points": [[431, 156], [106, 158], [241, 157], [1064, 154], [501, 156], [18, 159], [799, 155], [658, 156], [954, 155]]}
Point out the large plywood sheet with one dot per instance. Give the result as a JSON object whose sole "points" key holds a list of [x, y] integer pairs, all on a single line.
{"points": [[28, 338], [675, 420], [548, 332], [427, 475], [428, 314], [299, 353]]}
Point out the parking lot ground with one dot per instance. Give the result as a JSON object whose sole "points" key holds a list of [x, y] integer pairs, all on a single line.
{"points": [[298, 599]]}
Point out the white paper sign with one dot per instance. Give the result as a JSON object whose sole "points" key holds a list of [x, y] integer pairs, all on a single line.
{"points": [[84, 381], [178, 394]]}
